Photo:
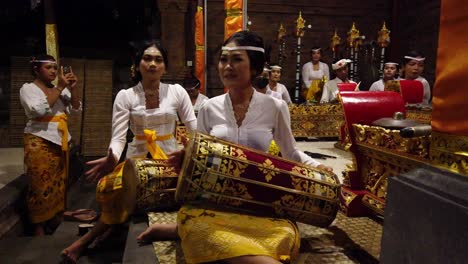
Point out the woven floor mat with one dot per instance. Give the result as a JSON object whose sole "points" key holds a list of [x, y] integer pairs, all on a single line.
{"points": [[347, 240]]}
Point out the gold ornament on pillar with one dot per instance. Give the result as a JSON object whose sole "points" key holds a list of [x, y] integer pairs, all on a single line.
{"points": [[384, 36], [335, 42], [281, 32], [300, 25], [354, 40]]}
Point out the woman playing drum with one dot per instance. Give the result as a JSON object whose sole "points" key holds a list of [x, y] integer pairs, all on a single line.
{"points": [[252, 119], [151, 108]]}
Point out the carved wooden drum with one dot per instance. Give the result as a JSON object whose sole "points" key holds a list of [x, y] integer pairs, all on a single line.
{"points": [[220, 173], [150, 184]]}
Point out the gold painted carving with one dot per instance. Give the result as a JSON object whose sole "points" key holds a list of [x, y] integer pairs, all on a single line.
{"points": [[316, 120], [450, 152]]}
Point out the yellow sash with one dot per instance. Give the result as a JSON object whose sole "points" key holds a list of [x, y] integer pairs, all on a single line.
{"points": [[151, 136], [62, 127]]}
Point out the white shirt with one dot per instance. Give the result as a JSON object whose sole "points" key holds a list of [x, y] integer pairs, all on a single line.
{"points": [[377, 85], [273, 94], [281, 89], [330, 90], [130, 109], [308, 73], [201, 98], [267, 118], [426, 89], [34, 102]]}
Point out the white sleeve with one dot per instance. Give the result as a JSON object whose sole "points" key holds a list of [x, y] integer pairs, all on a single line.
{"points": [[374, 86], [34, 101], [120, 119], [326, 70], [325, 98], [305, 76], [66, 98], [185, 109], [427, 91], [203, 118], [283, 136], [285, 95]]}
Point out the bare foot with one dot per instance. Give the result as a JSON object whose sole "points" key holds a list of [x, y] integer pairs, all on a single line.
{"points": [[158, 232], [73, 252]]}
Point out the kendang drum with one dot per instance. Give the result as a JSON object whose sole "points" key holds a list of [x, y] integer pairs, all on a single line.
{"points": [[227, 175], [150, 184]]}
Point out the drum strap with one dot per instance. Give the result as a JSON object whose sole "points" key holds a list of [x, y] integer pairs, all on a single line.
{"points": [[151, 136]]}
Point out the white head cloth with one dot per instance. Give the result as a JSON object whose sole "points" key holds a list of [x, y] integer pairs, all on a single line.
{"points": [[262, 50], [316, 49], [391, 63], [43, 61], [414, 58], [275, 67], [340, 64]]}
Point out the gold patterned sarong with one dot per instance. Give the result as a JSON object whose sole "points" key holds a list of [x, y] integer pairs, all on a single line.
{"points": [[45, 162], [209, 235], [110, 191]]}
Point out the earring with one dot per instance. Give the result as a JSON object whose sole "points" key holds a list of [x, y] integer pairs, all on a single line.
{"points": [[133, 71]]}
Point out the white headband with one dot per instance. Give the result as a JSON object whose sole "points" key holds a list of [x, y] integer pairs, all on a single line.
{"points": [[262, 50], [266, 69], [275, 67], [413, 58], [316, 49], [44, 61], [391, 63]]}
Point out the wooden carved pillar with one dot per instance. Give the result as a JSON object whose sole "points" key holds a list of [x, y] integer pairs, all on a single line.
{"points": [[173, 36]]}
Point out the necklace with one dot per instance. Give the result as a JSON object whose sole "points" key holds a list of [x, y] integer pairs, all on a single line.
{"points": [[151, 92], [240, 111]]}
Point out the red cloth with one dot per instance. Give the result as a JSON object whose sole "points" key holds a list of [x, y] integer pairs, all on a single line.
{"points": [[347, 87], [412, 91]]}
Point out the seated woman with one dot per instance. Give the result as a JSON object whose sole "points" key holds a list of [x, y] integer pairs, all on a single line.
{"points": [[330, 89], [249, 118], [192, 86], [390, 72], [312, 74], [413, 66], [150, 110], [275, 86]]}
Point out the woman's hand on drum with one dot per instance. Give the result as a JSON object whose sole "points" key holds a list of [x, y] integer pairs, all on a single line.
{"points": [[101, 167], [325, 168], [175, 158]]}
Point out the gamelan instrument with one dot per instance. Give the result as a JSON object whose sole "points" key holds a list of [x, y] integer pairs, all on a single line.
{"points": [[223, 174], [150, 184]]}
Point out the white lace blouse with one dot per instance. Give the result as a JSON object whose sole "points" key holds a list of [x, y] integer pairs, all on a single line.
{"points": [[267, 118], [130, 110]]}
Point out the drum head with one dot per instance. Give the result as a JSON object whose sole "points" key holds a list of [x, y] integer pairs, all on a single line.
{"points": [[130, 182]]}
